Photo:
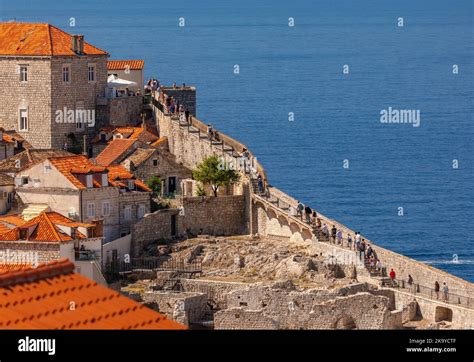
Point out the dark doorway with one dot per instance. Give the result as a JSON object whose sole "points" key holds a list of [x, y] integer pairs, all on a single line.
{"points": [[171, 184], [173, 225]]}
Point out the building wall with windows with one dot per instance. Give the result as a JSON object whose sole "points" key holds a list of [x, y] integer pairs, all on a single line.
{"points": [[79, 93], [40, 91], [32, 98], [133, 206]]}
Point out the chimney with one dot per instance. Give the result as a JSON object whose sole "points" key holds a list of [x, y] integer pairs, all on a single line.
{"points": [[77, 44]]}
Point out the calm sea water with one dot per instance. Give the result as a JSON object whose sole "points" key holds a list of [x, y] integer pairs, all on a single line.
{"points": [[299, 69]]}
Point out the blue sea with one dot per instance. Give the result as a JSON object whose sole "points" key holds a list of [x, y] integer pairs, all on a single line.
{"points": [[299, 70]]}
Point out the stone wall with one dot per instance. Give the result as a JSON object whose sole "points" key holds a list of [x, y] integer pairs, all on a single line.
{"points": [[132, 200], [185, 308], [216, 291], [358, 311], [79, 93], [186, 96], [422, 274], [223, 215], [16, 95], [124, 111], [462, 318], [23, 251], [153, 227]]}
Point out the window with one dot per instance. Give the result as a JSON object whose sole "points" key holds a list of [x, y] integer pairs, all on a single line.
{"points": [[141, 211], [23, 120], [105, 180], [79, 114], [47, 168], [155, 162], [91, 71], [131, 185], [66, 74], [91, 209], [127, 213], [89, 181], [10, 197], [24, 180], [105, 208], [103, 137], [23, 73]]}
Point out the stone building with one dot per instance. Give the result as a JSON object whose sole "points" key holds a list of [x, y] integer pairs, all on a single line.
{"points": [[75, 187], [53, 80], [131, 70], [51, 236], [7, 193]]}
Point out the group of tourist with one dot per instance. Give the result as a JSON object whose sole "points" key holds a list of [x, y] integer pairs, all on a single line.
{"points": [[152, 85]]}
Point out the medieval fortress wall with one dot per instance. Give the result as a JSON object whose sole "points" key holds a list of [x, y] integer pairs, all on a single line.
{"points": [[267, 218]]}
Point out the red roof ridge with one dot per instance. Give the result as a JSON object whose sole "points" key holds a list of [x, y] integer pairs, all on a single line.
{"points": [[49, 270]]}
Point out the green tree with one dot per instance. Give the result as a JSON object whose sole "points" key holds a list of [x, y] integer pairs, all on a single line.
{"points": [[154, 183], [213, 172]]}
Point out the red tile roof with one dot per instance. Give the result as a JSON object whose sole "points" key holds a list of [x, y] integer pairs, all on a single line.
{"points": [[124, 64], [40, 298], [38, 40], [13, 267], [44, 227], [72, 166], [114, 150]]}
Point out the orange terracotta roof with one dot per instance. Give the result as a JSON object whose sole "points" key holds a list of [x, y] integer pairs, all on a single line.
{"points": [[13, 267], [31, 39], [118, 172], [113, 151], [124, 64], [159, 142], [45, 228], [29, 157], [66, 164], [40, 298], [14, 220]]}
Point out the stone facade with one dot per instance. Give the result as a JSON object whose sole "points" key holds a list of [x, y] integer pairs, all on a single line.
{"points": [[223, 215], [185, 95], [358, 311], [45, 93], [29, 251], [132, 201], [124, 111], [185, 308]]}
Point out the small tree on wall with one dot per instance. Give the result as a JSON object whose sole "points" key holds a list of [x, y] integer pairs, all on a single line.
{"points": [[154, 183], [211, 172]]}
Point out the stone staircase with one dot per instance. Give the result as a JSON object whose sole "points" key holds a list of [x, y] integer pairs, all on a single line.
{"points": [[33, 210]]}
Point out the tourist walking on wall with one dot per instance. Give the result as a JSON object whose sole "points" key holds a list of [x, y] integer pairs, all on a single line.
{"points": [[209, 131], [339, 237], [307, 212], [299, 210], [410, 282], [349, 241], [378, 266], [362, 250], [436, 289], [186, 116], [260, 184], [445, 292], [392, 276], [325, 231], [333, 233]]}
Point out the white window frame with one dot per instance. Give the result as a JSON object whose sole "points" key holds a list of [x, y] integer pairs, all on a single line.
{"points": [[105, 208], [127, 213], [66, 73], [90, 209], [80, 123], [141, 211], [23, 71], [22, 123], [91, 73]]}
